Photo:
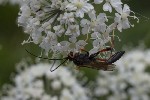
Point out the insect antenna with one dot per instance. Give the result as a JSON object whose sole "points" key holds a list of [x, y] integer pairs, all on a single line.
{"points": [[43, 57], [51, 69]]}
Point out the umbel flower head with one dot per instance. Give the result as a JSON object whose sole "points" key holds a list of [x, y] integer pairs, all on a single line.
{"points": [[68, 25], [38, 83], [131, 80]]}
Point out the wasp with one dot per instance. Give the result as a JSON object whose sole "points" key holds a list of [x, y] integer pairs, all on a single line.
{"points": [[94, 62], [89, 61]]}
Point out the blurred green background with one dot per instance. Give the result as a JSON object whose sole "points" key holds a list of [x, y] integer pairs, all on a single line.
{"points": [[11, 36]]}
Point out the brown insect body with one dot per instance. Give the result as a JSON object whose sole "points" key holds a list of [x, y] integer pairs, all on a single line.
{"points": [[90, 61]]}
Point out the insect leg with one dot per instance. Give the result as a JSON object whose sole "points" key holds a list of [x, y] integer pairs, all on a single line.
{"points": [[112, 41], [51, 69], [52, 65], [103, 50], [42, 57], [87, 37], [106, 49], [104, 60]]}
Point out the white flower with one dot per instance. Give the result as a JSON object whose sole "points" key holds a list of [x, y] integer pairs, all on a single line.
{"points": [[67, 18], [97, 23], [80, 44], [122, 17], [108, 4], [46, 27], [51, 22], [100, 39], [129, 81], [56, 84], [80, 6], [59, 30], [66, 95], [45, 97], [73, 30], [49, 41], [37, 82]]}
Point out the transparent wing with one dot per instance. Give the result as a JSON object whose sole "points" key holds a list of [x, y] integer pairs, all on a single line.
{"points": [[100, 66]]}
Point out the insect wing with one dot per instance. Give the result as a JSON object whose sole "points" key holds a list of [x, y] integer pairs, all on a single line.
{"points": [[100, 66]]}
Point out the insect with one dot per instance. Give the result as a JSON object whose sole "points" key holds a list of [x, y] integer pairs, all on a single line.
{"points": [[89, 61]]}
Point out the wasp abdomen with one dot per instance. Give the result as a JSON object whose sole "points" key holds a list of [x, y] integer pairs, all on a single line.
{"points": [[115, 57]]}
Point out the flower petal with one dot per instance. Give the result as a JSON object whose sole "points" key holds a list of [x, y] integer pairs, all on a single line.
{"points": [[107, 7]]}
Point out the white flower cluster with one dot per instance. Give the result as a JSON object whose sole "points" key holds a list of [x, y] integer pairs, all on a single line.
{"points": [[130, 82], [68, 25], [38, 83]]}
